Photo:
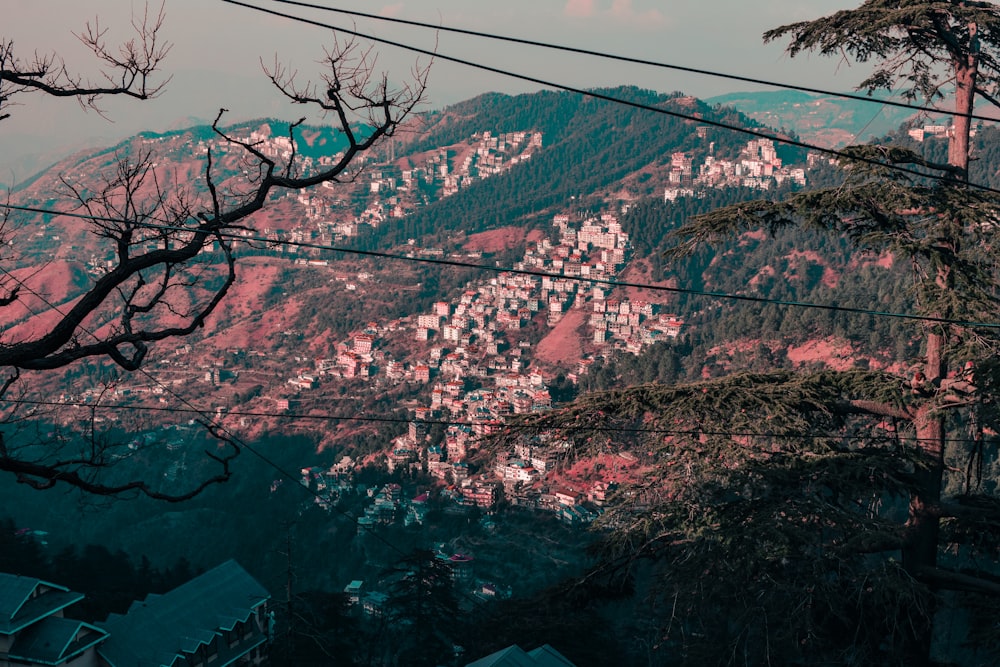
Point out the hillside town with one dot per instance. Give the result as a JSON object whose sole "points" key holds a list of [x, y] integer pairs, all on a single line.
{"points": [[473, 361], [478, 373], [312, 358], [470, 359], [391, 189]]}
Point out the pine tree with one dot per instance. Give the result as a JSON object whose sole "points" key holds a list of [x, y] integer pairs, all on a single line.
{"points": [[422, 606], [827, 517]]}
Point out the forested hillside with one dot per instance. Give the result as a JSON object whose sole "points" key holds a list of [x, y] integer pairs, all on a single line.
{"points": [[323, 352], [595, 153]]}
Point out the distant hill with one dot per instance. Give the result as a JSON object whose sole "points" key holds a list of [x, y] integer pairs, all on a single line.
{"points": [[829, 121], [595, 153], [456, 185]]}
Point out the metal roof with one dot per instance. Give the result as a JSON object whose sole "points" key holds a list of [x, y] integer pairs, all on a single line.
{"points": [[515, 656], [26, 600], [156, 631], [54, 641]]}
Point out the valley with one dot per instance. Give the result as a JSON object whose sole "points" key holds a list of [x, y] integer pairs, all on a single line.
{"points": [[390, 350]]}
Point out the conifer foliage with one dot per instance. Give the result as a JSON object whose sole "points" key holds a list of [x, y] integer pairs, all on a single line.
{"points": [[827, 517]]}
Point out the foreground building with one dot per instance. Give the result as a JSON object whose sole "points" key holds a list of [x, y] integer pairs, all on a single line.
{"points": [[218, 618], [33, 630], [515, 656]]}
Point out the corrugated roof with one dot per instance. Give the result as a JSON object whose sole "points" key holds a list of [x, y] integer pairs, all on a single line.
{"points": [[14, 592], [20, 606], [155, 631], [55, 640], [546, 656], [514, 656]]}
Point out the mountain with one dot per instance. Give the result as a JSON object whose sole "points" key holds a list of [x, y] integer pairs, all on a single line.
{"points": [[397, 315], [826, 120], [495, 181], [480, 182], [595, 153]]}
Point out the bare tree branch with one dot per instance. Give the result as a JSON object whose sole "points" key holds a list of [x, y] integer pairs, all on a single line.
{"points": [[956, 581], [171, 247], [130, 68], [46, 475]]}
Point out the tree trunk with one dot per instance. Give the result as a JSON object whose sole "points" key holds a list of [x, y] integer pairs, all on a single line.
{"points": [[920, 546], [922, 526], [920, 549], [966, 71]]}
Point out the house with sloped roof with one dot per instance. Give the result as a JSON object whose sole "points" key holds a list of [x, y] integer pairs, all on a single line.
{"points": [[33, 630], [218, 618], [515, 656]]}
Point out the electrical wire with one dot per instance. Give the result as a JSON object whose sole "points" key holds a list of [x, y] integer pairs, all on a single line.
{"points": [[372, 419], [594, 94], [191, 408], [118, 407], [290, 477], [864, 127], [242, 443], [633, 61], [355, 520], [599, 96], [538, 274]]}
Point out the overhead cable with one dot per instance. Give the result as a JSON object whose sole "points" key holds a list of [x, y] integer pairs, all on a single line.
{"points": [[243, 444], [207, 416], [373, 419], [595, 94], [635, 61], [539, 274]]}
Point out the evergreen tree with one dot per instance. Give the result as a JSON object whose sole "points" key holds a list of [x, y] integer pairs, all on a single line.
{"points": [[823, 517], [422, 607]]}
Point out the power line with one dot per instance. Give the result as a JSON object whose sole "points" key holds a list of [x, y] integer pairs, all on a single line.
{"points": [[632, 60], [234, 438], [213, 424], [473, 424], [192, 409], [610, 98], [539, 274], [242, 443], [864, 127]]}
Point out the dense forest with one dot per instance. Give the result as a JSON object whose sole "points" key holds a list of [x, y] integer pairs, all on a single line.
{"points": [[589, 146]]}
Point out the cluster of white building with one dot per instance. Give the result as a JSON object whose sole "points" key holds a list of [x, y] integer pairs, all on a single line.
{"points": [[935, 130], [758, 166]]}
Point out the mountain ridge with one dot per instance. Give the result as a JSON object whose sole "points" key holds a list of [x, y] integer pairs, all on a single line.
{"points": [[428, 196]]}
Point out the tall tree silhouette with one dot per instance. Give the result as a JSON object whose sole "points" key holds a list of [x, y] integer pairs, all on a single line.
{"points": [[792, 511]]}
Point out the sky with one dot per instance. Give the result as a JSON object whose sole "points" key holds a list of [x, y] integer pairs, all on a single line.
{"points": [[215, 60]]}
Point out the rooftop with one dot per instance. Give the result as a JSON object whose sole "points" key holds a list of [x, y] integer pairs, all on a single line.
{"points": [[515, 656], [54, 641], [25, 600], [159, 629]]}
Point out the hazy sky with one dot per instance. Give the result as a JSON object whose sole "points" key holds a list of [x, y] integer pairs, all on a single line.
{"points": [[215, 60]]}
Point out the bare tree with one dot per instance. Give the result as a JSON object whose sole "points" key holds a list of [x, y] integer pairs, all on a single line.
{"points": [[173, 246], [130, 69]]}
